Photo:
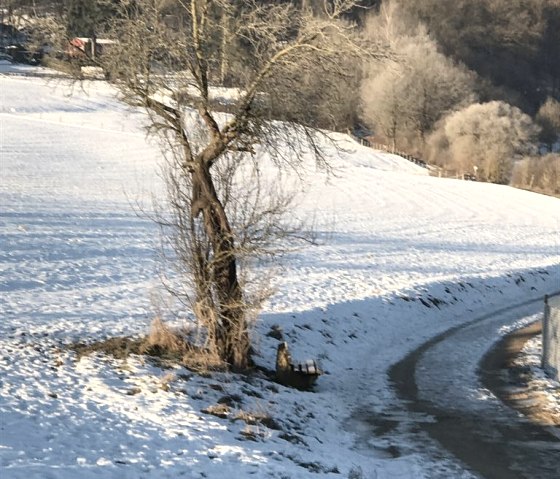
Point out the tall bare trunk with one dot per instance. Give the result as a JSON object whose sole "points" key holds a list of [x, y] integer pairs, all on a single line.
{"points": [[232, 339]]}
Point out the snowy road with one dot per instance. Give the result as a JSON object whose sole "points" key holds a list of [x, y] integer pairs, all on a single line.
{"points": [[441, 380]]}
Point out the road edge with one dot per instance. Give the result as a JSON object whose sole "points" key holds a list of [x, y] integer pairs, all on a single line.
{"points": [[506, 380]]}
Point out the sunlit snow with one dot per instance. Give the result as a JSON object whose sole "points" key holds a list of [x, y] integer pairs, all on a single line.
{"points": [[78, 263]]}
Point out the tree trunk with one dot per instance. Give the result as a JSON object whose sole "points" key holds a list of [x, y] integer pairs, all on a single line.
{"points": [[223, 48], [232, 338]]}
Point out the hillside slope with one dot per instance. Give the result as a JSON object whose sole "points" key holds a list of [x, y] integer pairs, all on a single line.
{"points": [[401, 256]]}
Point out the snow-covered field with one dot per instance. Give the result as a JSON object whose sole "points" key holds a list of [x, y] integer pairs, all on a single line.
{"points": [[401, 257]]}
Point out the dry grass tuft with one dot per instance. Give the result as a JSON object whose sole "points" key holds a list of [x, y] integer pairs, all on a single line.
{"points": [[172, 344], [219, 410], [166, 380], [166, 338], [164, 342], [201, 360], [257, 417]]}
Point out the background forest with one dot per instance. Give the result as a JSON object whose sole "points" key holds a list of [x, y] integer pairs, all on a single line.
{"points": [[470, 86]]}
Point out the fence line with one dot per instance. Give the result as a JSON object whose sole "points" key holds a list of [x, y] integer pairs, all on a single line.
{"points": [[434, 170], [551, 336], [388, 149]]}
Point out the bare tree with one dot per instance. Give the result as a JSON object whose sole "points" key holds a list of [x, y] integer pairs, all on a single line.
{"points": [[33, 22], [167, 58], [549, 173]]}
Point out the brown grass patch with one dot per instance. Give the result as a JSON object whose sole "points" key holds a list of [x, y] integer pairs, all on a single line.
{"points": [[120, 347], [163, 344]]}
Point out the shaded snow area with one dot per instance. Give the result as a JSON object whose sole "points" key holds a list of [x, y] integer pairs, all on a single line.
{"points": [[401, 257]]}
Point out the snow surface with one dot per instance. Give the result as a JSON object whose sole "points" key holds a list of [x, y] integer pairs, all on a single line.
{"points": [[401, 257]]}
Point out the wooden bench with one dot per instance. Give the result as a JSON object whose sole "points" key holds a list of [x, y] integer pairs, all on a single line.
{"points": [[298, 375]]}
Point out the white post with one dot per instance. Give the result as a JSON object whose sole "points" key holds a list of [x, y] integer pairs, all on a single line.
{"points": [[545, 334]]}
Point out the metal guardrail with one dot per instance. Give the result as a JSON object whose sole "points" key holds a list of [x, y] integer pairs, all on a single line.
{"points": [[551, 336]]}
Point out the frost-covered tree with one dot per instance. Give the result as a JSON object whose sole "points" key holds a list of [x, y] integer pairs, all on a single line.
{"points": [[406, 96], [488, 137], [548, 118], [384, 106], [390, 24], [538, 173], [436, 84]]}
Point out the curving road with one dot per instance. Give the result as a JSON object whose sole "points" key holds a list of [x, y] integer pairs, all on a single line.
{"points": [[443, 379]]}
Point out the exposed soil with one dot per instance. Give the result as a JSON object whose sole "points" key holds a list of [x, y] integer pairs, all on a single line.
{"points": [[511, 382], [119, 347]]}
